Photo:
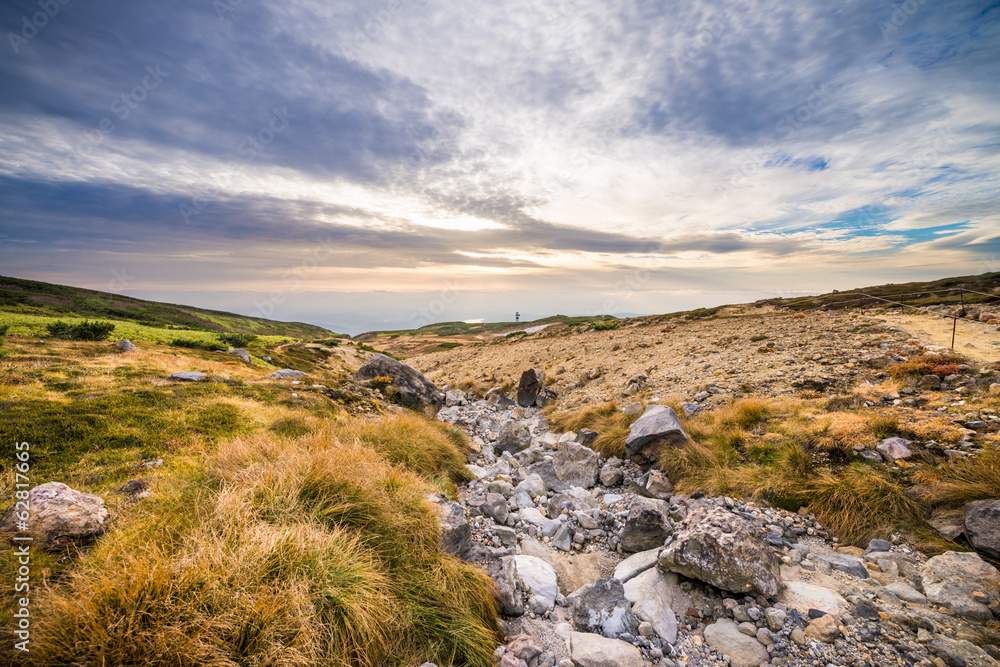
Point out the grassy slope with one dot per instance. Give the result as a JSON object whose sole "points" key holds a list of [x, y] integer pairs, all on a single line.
{"points": [[921, 293], [260, 542], [797, 452], [29, 297]]}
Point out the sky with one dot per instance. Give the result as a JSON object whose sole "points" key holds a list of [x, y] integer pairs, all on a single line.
{"points": [[393, 163]]}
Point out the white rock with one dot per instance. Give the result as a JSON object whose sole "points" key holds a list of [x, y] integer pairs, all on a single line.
{"points": [[532, 515], [635, 564], [538, 577], [803, 597], [590, 650]]}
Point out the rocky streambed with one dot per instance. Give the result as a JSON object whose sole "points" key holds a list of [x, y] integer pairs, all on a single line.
{"points": [[598, 562]]}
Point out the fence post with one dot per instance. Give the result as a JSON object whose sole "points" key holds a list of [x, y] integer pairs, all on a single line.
{"points": [[954, 324]]}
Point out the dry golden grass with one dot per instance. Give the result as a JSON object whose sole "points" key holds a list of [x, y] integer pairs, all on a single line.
{"points": [[860, 503], [961, 480], [610, 423], [431, 448], [301, 551]]}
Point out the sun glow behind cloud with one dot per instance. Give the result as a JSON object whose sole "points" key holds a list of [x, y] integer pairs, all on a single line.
{"points": [[574, 146]]}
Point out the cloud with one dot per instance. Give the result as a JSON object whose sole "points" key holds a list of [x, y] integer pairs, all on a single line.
{"points": [[512, 144]]}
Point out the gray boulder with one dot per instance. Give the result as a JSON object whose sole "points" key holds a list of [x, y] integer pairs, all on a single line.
{"points": [[495, 507], [894, 448], [415, 390], [646, 527], [576, 465], [951, 579], [514, 437], [658, 426], [508, 588], [502, 401], [847, 564], [653, 484], [532, 381], [743, 651], [586, 437], [126, 346], [188, 376], [454, 397], [58, 517], [546, 470], [651, 595], [456, 534], [545, 396], [723, 549], [603, 608], [537, 578], [589, 650], [981, 522], [287, 373], [242, 354]]}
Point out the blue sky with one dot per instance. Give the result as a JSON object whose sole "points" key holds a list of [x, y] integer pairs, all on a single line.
{"points": [[387, 163]]}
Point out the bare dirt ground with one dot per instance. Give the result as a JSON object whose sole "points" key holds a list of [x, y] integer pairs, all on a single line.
{"points": [[764, 353], [976, 340]]}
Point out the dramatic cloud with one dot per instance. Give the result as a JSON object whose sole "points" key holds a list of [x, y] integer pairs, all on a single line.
{"points": [[228, 151]]}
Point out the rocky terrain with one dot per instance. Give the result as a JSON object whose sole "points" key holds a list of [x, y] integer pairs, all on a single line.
{"points": [[601, 559], [768, 353], [597, 562]]}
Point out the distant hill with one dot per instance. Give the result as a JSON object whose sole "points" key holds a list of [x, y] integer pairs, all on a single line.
{"points": [[982, 288], [467, 329], [30, 297]]}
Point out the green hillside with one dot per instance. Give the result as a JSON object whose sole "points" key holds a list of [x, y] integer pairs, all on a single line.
{"points": [[42, 301]]}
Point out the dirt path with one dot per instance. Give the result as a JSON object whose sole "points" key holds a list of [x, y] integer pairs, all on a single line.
{"points": [[976, 340]]}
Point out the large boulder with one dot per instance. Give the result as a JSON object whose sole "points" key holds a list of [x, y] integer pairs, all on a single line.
{"points": [[590, 650], [646, 526], [125, 345], [951, 579], [576, 465], [242, 354], [653, 484], [538, 578], [287, 373], [658, 426], [802, 597], [532, 381], [651, 595], [415, 390], [188, 376], [58, 517], [743, 651], [723, 549], [456, 534], [894, 448], [981, 522], [514, 437], [603, 608], [508, 587]]}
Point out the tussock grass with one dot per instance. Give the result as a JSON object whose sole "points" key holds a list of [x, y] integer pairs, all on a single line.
{"points": [[610, 423], [860, 502], [307, 551], [430, 448], [960, 481]]}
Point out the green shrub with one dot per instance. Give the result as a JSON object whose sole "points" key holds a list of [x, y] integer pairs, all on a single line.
{"points": [[233, 339], [209, 345], [605, 326], [86, 330]]}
